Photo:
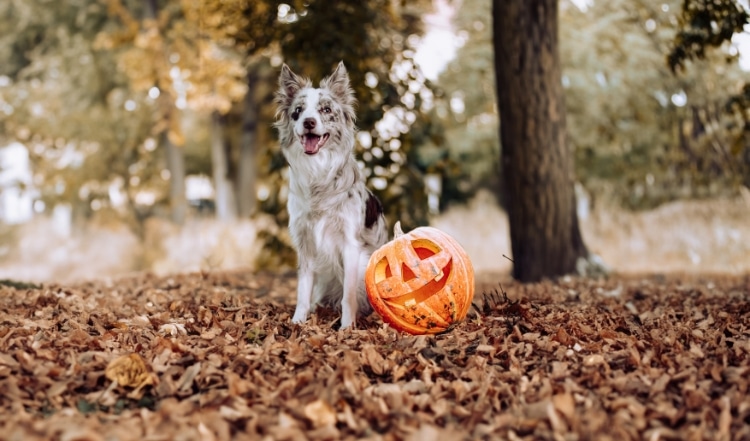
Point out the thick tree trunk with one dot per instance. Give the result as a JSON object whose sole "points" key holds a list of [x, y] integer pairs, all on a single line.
{"points": [[223, 190], [247, 166], [536, 162], [176, 166]]}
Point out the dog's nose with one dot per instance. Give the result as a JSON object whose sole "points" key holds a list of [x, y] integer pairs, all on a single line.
{"points": [[309, 123]]}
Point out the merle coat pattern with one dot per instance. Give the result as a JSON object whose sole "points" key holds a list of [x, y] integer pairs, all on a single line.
{"points": [[334, 220]]}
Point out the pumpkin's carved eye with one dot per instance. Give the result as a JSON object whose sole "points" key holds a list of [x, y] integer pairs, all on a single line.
{"points": [[407, 273], [383, 269], [428, 275]]}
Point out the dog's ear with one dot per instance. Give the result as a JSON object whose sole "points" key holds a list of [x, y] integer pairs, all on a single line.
{"points": [[338, 84], [289, 82]]}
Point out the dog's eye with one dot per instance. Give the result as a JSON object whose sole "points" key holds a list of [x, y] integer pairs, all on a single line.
{"points": [[298, 109], [326, 109]]}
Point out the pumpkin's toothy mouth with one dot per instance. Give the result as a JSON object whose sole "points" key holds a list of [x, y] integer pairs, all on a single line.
{"points": [[312, 142]]}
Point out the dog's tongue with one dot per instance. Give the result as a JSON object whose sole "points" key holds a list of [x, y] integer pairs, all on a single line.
{"points": [[311, 144]]}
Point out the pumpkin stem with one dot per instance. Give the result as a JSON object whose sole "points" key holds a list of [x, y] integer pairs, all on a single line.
{"points": [[397, 231]]}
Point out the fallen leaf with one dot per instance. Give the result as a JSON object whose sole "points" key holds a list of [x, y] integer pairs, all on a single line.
{"points": [[371, 357], [130, 371], [565, 404], [320, 413], [173, 329], [593, 360]]}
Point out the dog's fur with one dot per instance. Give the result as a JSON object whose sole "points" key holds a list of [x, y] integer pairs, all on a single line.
{"points": [[334, 220]]}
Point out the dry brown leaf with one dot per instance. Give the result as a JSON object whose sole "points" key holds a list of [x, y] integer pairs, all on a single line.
{"points": [[593, 360], [297, 354], [725, 419], [372, 358], [130, 371], [286, 421], [427, 432], [565, 404], [563, 337], [186, 381], [320, 413]]}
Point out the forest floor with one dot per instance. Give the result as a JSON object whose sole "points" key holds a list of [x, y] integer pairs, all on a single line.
{"points": [[214, 356]]}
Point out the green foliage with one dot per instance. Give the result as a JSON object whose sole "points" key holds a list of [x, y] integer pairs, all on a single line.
{"points": [[636, 128], [376, 41], [18, 284], [653, 136], [712, 24], [705, 23]]}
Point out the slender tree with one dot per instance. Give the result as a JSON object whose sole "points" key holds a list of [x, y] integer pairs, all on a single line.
{"points": [[223, 190], [248, 162], [536, 162], [175, 155]]}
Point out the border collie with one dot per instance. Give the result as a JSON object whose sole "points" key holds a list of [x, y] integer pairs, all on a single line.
{"points": [[335, 222]]}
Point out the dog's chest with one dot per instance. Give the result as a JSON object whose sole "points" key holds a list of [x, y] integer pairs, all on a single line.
{"points": [[318, 234]]}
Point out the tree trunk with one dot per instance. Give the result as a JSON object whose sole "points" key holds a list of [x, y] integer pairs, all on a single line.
{"points": [[176, 167], [223, 191], [175, 155], [536, 162], [247, 166]]}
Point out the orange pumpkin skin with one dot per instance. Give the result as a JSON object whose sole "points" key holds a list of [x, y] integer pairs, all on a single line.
{"points": [[421, 282]]}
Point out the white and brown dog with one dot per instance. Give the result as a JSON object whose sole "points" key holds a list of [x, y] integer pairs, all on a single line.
{"points": [[335, 221]]}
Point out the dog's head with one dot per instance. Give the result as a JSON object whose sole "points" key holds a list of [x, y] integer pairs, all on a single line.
{"points": [[315, 119]]}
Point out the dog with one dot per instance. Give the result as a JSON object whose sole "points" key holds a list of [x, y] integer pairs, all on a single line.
{"points": [[335, 222]]}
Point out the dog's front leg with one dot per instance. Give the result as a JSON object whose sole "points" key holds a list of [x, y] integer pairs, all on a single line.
{"points": [[349, 299], [305, 282]]}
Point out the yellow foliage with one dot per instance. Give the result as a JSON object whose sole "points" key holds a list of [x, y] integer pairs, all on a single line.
{"points": [[188, 55]]}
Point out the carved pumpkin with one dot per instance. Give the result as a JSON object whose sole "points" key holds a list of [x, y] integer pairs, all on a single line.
{"points": [[421, 282]]}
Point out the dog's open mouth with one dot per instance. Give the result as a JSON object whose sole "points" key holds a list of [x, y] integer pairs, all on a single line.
{"points": [[313, 142]]}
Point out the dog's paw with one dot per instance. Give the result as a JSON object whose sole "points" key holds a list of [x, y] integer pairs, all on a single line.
{"points": [[300, 316], [347, 321]]}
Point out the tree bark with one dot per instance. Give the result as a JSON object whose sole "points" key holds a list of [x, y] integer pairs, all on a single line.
{"points": [[175, 155], [176, 166], [247, 166], [536, 162], [223, 190]]}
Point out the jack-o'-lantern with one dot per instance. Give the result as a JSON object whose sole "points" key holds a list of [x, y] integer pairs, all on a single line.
{"points": [[421, 282]]}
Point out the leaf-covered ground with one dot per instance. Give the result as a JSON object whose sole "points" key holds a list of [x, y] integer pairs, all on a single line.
{"points": [[216, 358]]}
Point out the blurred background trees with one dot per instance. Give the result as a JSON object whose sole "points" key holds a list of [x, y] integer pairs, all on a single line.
{"points": [[640, 133], [139, 109]]}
